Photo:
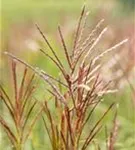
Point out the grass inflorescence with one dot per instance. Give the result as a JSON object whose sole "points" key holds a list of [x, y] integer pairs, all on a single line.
{"points": [[75, 96]]}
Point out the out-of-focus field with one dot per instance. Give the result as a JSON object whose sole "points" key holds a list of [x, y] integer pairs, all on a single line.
{"points": [[20, 37]]}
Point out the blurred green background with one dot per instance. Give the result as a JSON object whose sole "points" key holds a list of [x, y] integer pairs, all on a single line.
{"points": [[20, 37]]}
